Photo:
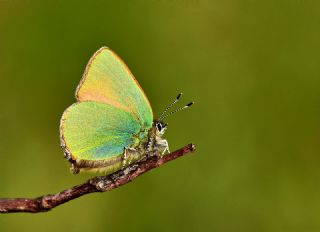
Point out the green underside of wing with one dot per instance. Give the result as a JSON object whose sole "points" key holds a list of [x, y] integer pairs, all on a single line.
{"points": [[98, 131], [109, 80]]}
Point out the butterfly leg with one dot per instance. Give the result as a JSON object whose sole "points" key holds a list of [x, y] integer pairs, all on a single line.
{"points": [[129, 155], [166, 147], [163, 146]]}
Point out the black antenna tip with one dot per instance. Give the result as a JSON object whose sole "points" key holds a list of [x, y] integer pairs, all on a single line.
{"points": [[190, 104], [180, 94]]}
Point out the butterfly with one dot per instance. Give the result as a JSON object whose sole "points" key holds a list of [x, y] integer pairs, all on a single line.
{"points": [[111, 125]]}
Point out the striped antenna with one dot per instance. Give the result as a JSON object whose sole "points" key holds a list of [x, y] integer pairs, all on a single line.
{"points": [[170, 106], [177, 110]]}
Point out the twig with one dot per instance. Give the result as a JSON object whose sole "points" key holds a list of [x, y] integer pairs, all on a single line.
{"points": [[96, 184]]}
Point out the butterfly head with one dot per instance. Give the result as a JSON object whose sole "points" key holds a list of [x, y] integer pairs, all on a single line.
{"points": [[160, 127], [159, 124]]}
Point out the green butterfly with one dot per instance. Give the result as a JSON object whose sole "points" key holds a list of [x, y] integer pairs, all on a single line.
{"points": [[111, 125]]}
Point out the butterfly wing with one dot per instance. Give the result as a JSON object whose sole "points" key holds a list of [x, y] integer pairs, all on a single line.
{"points": [[96, 131], [107, 79]]}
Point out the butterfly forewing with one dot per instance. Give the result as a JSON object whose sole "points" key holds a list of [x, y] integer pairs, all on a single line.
{"points": [[107, 79]]}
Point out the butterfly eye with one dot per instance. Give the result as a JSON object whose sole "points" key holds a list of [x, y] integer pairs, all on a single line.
{"points": [[159, 127]]}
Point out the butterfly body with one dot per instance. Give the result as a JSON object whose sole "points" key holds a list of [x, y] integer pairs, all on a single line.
{"points": [[112, 123]]}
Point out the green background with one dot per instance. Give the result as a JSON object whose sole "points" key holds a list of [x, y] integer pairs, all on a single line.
{"points": [[251, 66]]}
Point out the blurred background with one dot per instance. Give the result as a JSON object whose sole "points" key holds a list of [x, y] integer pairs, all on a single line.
{"points": [[251, 66]]}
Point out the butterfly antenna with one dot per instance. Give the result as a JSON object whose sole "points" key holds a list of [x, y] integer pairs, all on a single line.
{"points": [[177, 110], [170, 106]]}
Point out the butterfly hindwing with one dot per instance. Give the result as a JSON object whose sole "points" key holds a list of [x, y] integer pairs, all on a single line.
{"points": [[97, 131]]}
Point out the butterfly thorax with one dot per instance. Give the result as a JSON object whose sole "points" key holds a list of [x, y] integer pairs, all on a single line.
{"points": [[155, 141], [152, 144]]}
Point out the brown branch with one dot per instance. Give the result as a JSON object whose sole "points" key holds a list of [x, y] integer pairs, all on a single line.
{"points": [[96, 184]]}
